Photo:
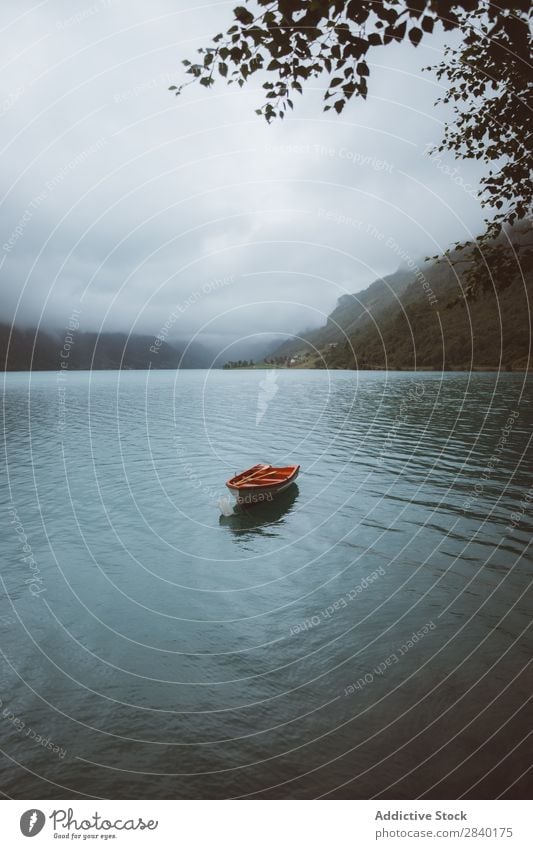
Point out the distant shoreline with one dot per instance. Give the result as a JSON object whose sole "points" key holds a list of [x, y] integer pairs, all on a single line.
{"points": [[452, 369], [424, 369]]}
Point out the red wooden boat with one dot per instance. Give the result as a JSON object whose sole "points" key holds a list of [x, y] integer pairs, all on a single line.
{"points": [[262, 482]]}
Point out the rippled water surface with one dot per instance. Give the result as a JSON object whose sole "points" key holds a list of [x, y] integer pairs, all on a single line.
{"points": [[365, 635]]}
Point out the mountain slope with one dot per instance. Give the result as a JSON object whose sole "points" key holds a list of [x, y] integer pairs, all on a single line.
{"points": [[421, 319], [25, 350]]}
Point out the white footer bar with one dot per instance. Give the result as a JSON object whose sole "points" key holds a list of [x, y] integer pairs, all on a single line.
{"points": [[263, 824]]}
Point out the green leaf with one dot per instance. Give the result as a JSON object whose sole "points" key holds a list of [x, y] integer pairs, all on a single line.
{"points": [[222, 69]]}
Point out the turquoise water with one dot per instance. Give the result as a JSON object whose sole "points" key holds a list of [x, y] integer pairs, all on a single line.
{"points": [[152, 647]]}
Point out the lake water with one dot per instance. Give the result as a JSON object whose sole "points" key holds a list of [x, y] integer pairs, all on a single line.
{"points": [[152, 647]]}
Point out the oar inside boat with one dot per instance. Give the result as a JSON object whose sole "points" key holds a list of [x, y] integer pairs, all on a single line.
{"points": [[262, 482]]}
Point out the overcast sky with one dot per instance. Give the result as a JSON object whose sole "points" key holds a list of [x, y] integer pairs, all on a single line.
{"points": [[135, 207]]}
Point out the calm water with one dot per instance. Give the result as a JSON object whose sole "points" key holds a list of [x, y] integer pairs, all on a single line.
{"points": [[153, 648]]}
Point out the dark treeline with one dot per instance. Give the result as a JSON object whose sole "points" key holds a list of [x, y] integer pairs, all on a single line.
{"points": [[39, 350]]}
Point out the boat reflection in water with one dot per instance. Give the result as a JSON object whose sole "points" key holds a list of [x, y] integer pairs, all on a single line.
{"points": [[263, 517]]}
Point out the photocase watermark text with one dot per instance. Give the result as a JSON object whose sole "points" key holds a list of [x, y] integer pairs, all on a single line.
{"points": [[49, 187], [391, 660], [327, 151], [341, 602], [34, 579], [414, 394], [182, 307], [72, 326], [31, 734], [479, 488]]}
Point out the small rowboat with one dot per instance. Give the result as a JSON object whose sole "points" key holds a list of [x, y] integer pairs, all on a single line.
{"points": [[262, 482]]}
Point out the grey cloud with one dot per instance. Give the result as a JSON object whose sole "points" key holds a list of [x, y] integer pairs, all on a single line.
{"points": [[116, 188]]}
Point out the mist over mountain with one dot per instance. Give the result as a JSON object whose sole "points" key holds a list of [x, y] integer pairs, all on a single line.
{"points": [[417, 317], [24, 349], [29, 349]]}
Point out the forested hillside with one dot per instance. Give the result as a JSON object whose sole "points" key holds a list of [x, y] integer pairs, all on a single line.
{"points": [[425, 318], [25, 350]]}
